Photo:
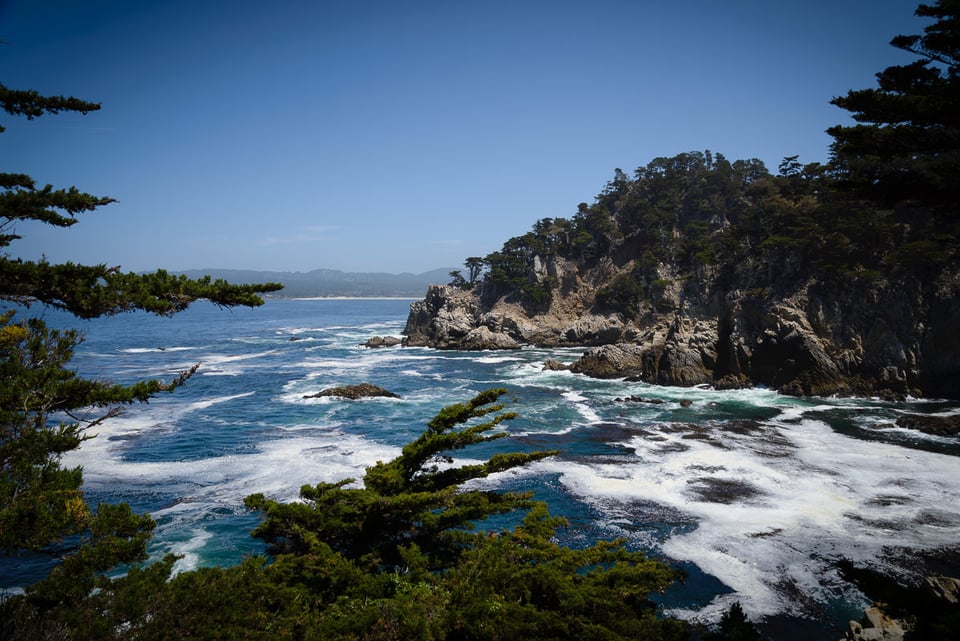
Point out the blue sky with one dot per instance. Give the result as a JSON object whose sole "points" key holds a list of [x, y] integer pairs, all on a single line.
{"points": [[403, 136]]}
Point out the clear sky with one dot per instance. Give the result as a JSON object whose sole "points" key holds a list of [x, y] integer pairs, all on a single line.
{"points": [[403, 136]]}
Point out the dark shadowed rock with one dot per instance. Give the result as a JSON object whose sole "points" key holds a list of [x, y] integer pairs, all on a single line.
{"points": [[639, 399], [931, 424], [363, 390], [382, 341]]}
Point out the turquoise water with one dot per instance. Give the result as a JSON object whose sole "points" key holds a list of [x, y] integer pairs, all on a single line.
{"points": [[756, 495]]}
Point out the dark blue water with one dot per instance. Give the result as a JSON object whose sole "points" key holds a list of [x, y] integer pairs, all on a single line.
{"points": [[754, 494]]}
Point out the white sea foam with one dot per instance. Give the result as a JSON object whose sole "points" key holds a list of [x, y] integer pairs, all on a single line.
{"points": [[188, 551], [229, 365], [277, 468], [151, 350], [765, 507], [585, 411], [497, 359], [775, 507]]}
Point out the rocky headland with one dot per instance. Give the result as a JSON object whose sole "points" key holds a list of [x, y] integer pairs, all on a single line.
{"points": [[755, 307], [814, 340]]}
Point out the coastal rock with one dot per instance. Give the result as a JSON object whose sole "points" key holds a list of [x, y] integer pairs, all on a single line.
{"points": [[354, 392], [383, 341], [931, 424], [875, 626], [442, 319], [946, 588], [639, 399], [614, 361], [927, 611], [553, 365], [807, 338], [481, 338], [593, 329]]}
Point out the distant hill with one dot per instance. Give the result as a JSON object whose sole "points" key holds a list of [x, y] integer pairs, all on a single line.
{"points": [[332, 282]]}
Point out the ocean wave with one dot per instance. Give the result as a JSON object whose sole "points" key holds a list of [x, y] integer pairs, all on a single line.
{"points": [[777, 504], [152, 350]]}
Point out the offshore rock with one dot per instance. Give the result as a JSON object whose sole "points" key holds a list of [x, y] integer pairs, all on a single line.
{"points": [[383, 341], [615, 361], [931, 424], [354, 392]]}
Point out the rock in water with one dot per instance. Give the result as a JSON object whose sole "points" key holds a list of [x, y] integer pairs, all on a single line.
{"points": [[363, 390], [382, 341]]}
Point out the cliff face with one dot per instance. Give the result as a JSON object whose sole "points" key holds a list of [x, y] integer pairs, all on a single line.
{"points": [[813, 338]]}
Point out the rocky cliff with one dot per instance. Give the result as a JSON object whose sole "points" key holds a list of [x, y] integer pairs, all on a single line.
{"points": [[812, 339], [698, 270]]}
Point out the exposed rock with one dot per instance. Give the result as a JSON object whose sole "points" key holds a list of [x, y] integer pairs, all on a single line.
{"points": [[383, 341], [931, 424], [946, 588], [553, 365], [875, 626], [927, 611], [594, 330], [810, 338], [363, 390], [639, 399], [482, 337], [442, 319], [614, 361]]}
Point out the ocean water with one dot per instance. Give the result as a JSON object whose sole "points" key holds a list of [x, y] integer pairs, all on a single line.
{"points": [[754, 494]]}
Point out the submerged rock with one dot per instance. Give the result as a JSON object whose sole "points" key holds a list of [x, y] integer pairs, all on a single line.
{"points": [[363, 390]]}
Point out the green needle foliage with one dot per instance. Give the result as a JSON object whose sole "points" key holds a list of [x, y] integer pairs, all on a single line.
{"points": [[409, 501], [46, 407], [399, 558]]}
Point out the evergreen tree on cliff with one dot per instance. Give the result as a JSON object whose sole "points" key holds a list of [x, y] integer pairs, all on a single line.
{"points": [[42, 507], [904, 151]]}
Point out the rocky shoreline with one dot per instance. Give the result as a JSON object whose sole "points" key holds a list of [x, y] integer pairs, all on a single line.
{"points": [[811, 341]]}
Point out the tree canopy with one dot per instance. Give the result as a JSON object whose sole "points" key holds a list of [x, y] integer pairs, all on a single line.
{"points": [[402, 556], [905, 147], [42, 506]]}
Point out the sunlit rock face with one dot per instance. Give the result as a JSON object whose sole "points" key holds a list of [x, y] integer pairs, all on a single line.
{"points": [[808, 338]]}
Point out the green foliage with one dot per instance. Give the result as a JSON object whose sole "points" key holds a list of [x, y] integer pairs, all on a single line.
{"points": [[904, 152], [734, 626], [411, 500], [41, 502], [624, 294], [42, 507], [399, 559]]}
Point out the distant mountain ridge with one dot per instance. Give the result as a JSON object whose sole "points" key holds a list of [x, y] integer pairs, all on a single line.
{"points": [[332, 282]]}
